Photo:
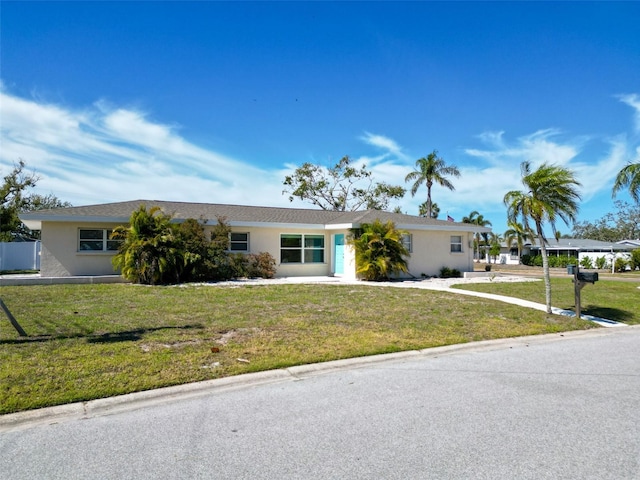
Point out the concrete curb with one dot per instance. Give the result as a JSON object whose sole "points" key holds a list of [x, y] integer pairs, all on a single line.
{"points": [[137, 400]]}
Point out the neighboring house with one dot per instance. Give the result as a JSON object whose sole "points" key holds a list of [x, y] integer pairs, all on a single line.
{"points": [[303, 242], [572, 247]]}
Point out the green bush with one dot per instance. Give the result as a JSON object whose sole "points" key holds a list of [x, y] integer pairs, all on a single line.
{"points": [[446, 272], [634, 261], [586, 262], [621, 265], [601, 263]]}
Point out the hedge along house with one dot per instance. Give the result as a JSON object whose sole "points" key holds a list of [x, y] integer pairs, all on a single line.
{"points": [[304, 242]]}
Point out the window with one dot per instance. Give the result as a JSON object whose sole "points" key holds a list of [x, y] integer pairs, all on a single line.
{"points": [[239, 242], [407, 241], [456, 243], [514, 253], [97, 240], [296, 248]]}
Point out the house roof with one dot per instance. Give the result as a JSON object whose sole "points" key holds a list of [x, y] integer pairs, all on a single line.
{"points": [[240, 215], [583, 244]]}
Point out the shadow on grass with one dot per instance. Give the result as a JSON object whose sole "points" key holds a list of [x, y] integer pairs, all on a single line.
{"points": [[608, 313], [111, 337]]}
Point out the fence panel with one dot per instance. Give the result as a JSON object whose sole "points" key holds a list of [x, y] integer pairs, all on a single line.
{"points": [[20, 255]]}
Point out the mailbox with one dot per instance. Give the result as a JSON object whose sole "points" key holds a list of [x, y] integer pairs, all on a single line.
{"points": [[590, 277]]}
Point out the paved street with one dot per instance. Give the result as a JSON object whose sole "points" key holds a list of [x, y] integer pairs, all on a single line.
{"points": [[559, 406]]}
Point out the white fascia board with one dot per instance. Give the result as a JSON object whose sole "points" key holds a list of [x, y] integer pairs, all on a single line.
{"points": [[445, 228], [34, 221], [340, 226], [286, 226]]}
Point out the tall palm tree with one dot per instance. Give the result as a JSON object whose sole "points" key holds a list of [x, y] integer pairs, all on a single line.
{"points": [[629, 176], [431, 169], [516, 233], [476, 218], [550, 193]]}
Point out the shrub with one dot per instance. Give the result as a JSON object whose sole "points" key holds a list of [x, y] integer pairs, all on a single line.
{"points": [[487, 268], [634, 261], [261, 265], [601, 262], [527, 260], [446, 272], [586, 262], [620, 265]]}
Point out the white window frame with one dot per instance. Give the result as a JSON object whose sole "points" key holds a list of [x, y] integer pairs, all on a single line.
{"points": [[407, 241], [455, 246], [105, 240], [238, 242], [303, 248]]}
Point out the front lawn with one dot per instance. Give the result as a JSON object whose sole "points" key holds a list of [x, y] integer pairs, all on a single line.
{"points": [[93, 341], [611, 299]]}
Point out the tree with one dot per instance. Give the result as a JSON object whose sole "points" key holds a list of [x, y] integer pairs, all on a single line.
{"points": [[12, 199], [149, 252], [495, 247], [629, 177], [516, 233], [550, 193], [431, 169], [379, 250], [622, 224], [435, 210], [476, 218], [342, 187]]}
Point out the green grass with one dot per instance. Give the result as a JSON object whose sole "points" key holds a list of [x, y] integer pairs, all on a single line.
{"points": [[610, 299], [93, 341]]}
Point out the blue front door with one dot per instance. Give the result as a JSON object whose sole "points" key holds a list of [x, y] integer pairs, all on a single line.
{"points": [[338, 260]]}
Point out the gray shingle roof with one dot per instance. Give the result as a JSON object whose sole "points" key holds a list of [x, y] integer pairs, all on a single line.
{"points": [[237, 214]]}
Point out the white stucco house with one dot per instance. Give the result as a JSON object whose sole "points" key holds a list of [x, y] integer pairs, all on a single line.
{"points": [[304, 242]]}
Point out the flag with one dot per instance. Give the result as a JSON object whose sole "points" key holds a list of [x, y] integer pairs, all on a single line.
{"points": [[450, 219]]}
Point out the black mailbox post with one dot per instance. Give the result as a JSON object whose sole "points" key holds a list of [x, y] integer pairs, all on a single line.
{"points": [[580, 279]]}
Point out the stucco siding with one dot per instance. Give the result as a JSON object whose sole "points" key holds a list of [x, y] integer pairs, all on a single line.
{"points": [[432, 250], [268, 240], [60, 256]]}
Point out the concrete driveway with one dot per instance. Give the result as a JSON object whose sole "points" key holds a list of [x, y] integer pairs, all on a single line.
{"points": [[546, 407]]}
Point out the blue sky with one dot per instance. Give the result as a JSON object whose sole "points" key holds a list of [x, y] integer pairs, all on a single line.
{"points": [[217, 102]]}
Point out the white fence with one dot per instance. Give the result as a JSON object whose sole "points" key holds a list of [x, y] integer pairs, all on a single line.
{"points": [[20, 255]]}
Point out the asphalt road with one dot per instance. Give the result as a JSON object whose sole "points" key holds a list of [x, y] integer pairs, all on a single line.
{"points": [[562, 406]]}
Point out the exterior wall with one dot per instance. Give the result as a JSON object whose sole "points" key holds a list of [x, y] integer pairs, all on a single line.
{"points": [[432, 250], [268, 240], [60, 256]]}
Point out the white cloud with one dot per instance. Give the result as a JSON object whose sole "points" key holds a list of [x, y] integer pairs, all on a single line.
{"points": [[633, 100], [385, 143], [100, 154]]}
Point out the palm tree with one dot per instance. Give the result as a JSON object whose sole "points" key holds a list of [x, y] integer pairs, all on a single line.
{"points": [[629, 176], [379, 250], [148, 253], [550, 193], [517, 234], [429, 170], [435, 210], [476, 219]]}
